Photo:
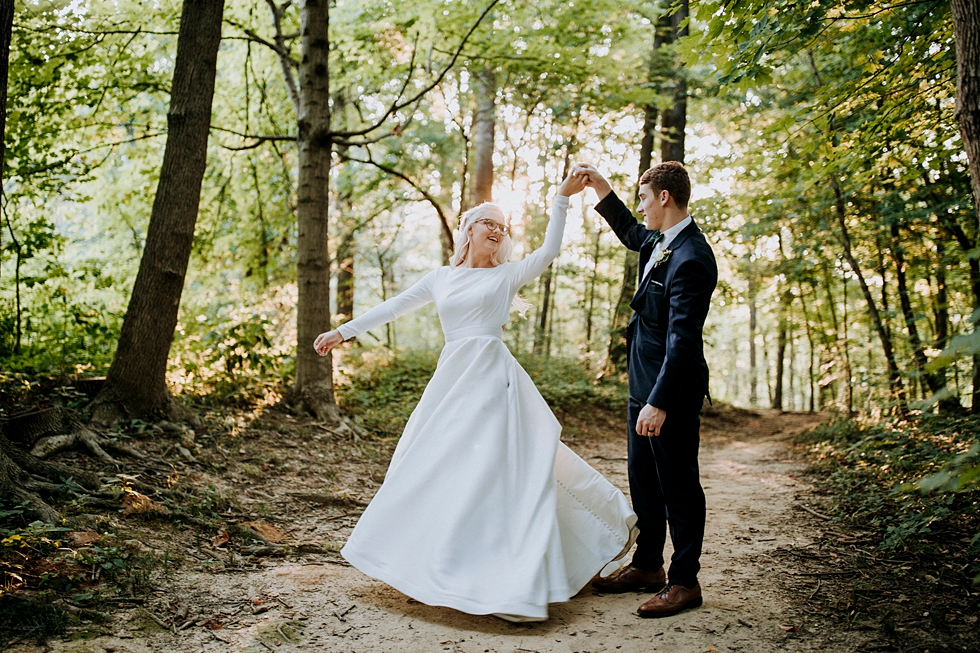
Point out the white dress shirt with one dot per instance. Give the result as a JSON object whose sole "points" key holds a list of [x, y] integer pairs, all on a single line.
{"points": [[669, 236]]}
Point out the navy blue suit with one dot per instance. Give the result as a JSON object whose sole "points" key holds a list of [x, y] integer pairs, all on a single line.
{"points": [[667, 370]]}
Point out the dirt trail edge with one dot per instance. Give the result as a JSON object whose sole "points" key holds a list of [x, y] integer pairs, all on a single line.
{"points": [[319, 603]]}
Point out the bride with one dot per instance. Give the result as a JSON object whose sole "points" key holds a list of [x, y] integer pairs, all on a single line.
{"points": [[482, 508]]}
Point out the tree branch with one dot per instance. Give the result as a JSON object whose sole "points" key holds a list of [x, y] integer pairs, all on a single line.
{"points": [[259, 139], [443, 219], [396, 105]]}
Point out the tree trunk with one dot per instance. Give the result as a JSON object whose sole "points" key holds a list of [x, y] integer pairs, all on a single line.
{"points": [[6, 33], [941, 309], [966, 31], [345, 279], [845, 344], [136, 384], [313, 389], [894, 375], [540, 333], [918, 347], [810, 345], [674, 120], [777, 393], [485, 89], [263, 262], [753, 362]]}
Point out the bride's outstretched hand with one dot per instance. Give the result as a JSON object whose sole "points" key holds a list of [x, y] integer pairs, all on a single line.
{"points": [[327, 341]]}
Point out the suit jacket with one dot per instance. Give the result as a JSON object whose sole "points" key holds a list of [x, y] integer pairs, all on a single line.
{"points": [[664, 336]]}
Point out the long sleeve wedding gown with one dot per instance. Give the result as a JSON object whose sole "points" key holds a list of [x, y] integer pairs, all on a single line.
{"points": [[483, 509]]}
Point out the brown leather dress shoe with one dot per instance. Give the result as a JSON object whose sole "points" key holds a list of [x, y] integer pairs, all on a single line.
{"points": [[631, 579], [671, 600]]}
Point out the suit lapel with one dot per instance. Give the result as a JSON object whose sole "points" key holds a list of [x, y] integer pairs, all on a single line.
{"points": [[646, 251]]}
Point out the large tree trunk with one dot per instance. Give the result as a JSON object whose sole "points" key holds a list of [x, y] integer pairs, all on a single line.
{"points": [[674, 120], [136, 383], [484, 124], [966, 30], [313, 389]]}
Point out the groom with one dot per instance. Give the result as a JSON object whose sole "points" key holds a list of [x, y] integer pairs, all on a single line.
{"points": [[668, 380]]}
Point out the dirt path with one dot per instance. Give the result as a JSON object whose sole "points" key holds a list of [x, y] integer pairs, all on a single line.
{"points": [[319, 603]]}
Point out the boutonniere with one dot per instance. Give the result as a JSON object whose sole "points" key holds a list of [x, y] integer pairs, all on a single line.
{"points": [[661, 257]]}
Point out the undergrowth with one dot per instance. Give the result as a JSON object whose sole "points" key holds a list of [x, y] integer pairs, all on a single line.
{"points": [[382, 389], [882, 477], [51, 574]]}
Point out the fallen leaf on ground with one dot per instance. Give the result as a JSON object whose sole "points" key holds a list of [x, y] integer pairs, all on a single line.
{"points": [[788, 629], [84, 538], [139, 504], [221, 538], [266, 531]]}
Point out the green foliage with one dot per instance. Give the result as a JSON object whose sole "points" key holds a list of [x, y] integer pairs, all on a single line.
{"points": [[568, 386], [36, 616], [876, 472], [383, 388]]}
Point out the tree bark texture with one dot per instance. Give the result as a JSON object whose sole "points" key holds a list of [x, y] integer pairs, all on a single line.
{"points": [[966, 31], [484, 124], [136, 382], [313, 389], [6, 33], [777, 392], [674, 120]]}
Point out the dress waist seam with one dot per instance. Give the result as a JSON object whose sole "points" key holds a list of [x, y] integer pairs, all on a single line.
{"points": [[475, 332]]}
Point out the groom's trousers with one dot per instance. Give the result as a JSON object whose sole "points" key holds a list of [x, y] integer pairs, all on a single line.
{"points": [[665, 488]]}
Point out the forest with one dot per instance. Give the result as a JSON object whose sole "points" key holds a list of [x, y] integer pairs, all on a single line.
{"points": [[193, 191]]}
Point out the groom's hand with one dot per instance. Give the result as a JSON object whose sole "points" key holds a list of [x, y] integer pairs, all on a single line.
{"points": [[593, 178], [650, 420]]}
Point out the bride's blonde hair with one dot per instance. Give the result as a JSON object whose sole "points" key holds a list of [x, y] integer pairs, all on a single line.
{"points": [[462, 236], [462, 244]]}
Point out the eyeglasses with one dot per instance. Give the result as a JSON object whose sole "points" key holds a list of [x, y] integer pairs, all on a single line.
{"points": [[493, 225]]}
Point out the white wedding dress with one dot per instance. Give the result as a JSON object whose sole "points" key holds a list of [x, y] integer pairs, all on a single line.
{"points": [[483, 509]]}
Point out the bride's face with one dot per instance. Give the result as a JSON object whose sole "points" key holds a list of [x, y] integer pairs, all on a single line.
{"points": [[487, 233]]}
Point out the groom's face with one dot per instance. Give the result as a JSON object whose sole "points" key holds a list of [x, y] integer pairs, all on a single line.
{"points": [[651, 206]]}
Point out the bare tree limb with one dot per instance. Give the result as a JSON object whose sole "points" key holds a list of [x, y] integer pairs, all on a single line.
{"points": [[397, 105], [443, 218], [286, 61], [259, 139]]}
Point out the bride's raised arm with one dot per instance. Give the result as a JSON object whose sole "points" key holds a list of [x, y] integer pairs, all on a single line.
{"points": [[538, 261], [415, 297]]}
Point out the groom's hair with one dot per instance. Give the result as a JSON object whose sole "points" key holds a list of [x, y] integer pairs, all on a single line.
{"points": [[672, 177]]}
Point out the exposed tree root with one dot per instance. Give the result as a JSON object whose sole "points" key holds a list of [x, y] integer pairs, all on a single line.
{"points": [[326, 411], [26, 477], [108, 410]]}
